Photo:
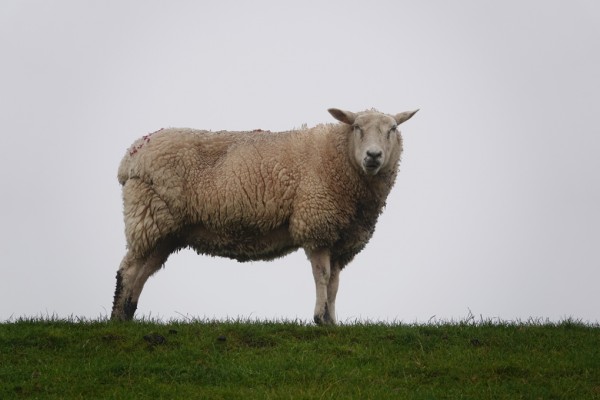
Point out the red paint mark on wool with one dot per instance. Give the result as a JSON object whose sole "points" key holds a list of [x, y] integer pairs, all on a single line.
{"points": [[145, 139]]}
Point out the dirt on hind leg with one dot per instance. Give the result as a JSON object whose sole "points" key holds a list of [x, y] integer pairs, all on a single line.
{"points": [[123, 305], [132, 276]]}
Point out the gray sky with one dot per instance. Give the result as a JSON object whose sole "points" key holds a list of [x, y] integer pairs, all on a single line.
{"points": [[495, 210]]}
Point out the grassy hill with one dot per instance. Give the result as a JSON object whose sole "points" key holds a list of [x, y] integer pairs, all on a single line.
{"points": [[271, 360]]}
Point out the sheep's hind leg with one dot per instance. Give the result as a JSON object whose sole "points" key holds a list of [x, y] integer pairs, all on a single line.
{"points": [[131, 277], [123, 306], [321, 268]]}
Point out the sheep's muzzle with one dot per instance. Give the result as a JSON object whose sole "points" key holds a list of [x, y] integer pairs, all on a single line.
{"points": [[372, 161]]}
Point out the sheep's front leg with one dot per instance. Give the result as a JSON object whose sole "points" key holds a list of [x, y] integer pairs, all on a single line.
{"points": [[321, 268], [332, 288]]}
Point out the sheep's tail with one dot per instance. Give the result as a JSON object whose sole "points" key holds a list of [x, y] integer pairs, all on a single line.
{"points": [[126, 165], [125, 169], [123, 174]]}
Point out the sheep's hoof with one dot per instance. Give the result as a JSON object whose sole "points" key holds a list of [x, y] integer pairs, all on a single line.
{"points": [[126, 313], [324, 320], [129, 308]]}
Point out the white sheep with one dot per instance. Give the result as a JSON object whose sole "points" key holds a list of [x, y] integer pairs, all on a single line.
{"points": [[257, 196]]}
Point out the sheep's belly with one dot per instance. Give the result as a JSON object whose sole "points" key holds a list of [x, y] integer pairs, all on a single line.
{"points": [[241, 246]]}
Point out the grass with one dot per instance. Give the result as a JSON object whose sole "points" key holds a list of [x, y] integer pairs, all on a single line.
{"points": [[52, 358]]}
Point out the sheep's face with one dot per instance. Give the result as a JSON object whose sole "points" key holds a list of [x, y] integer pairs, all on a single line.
{"points": [[374, 139]]}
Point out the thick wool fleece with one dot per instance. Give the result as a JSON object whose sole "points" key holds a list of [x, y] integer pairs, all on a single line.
{"points": [[251, 195]]}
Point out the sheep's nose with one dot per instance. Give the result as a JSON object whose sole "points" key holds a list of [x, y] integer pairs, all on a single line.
{"points": [[374, 153]]}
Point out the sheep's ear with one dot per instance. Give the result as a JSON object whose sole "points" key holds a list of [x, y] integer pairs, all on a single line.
{"points": [[404, 116], [346, 117]]}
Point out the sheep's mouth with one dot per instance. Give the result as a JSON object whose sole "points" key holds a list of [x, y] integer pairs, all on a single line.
{"points": [[371, 166]]}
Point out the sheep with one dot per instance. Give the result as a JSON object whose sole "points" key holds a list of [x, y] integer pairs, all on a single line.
{"points": [[257, 195]]}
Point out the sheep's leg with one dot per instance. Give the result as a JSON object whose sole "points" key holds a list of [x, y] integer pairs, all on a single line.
{"points": [[123, 307], [321, 268], [332, 288], [131, 277]]}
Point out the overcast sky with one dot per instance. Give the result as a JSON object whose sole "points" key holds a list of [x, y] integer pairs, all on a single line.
{"points": [[495, 211]]}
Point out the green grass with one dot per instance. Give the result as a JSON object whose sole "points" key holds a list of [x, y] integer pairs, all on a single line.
{"points": [[51, 358]]}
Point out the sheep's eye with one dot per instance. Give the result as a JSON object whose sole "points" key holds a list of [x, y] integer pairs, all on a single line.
{"points": [[392, 129], [358, 130]]}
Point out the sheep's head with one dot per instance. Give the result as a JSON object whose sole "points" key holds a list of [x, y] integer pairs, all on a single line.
{"points": [[374, 139]]}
